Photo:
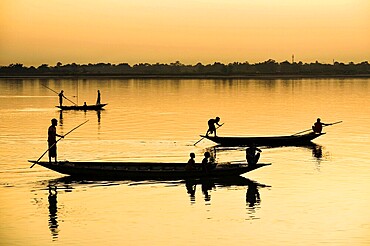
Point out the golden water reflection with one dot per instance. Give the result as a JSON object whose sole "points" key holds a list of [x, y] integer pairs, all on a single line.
{"points": [[63, 186]]}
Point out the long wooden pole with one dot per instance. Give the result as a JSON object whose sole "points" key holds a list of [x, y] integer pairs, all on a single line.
{"points": [[58, 94], [204, 137], [57, 142], [323, 126]]}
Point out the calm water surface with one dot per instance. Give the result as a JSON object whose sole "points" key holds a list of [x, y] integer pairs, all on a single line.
{"points": [[316, 195]]}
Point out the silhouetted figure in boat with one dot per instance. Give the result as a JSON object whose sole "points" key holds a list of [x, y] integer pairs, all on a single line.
{"points": [[253, 154], [191, 163], [98, 99], [212, 126], [53, 209], [52, 142], [317, 126], [61, 95], [252, 196], [206, 164]]}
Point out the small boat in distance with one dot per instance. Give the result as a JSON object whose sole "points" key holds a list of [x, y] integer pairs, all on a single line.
{"points": [[83, 107], [143, 170], [269, 141]]}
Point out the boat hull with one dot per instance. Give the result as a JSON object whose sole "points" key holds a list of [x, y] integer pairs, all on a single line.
{"points": [[83, 107], [273, 141], [132, 170]]}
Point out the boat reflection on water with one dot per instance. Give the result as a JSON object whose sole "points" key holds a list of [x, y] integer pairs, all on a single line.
{"points": [[317, 150], [86, 112], [68, 184], [207, 185]]}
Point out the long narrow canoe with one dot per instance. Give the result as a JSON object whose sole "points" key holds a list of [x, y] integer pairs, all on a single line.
{"points": [[290, 140], [143, 170], [83, 107]]}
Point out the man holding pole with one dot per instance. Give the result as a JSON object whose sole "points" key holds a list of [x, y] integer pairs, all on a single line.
{"points": [[52, 142], [61, 95], [212, 127], [317, 126]]}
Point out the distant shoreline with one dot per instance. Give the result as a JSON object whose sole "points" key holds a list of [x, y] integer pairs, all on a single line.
{"points": [[256, 76]]}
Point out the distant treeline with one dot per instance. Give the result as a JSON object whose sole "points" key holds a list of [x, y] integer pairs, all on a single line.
{"points": [[269, 67]]}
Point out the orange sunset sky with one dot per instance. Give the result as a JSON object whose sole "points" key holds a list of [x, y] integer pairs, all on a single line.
{"points": [[33, 32]]}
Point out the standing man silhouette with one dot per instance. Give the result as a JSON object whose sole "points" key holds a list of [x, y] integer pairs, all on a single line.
{"points": [[52, 142], [98, 99], [61, 95]]}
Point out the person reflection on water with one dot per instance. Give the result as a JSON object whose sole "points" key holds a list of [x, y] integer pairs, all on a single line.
{"points": [[252, 196], [251, 155], [53, 209], [52, 142], [212, 127]]}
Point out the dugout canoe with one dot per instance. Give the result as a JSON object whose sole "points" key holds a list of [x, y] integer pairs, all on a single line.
{"points": [[83, 107], [270, 141], [143, 170]]}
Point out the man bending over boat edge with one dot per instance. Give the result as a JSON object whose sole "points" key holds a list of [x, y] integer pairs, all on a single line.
{"points": [[212, 127]]}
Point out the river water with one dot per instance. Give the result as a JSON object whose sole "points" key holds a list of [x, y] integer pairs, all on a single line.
{"points": [[317, 195]]}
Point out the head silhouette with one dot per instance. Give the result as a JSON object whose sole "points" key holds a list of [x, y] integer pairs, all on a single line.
{"points": [[192, 155], [54, 122]]}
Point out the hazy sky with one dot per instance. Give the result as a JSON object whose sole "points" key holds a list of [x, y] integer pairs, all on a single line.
{"points": [[34, 32]]}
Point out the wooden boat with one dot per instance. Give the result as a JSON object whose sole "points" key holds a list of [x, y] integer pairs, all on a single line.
{"points": [[270, 141], [143, 170], [83, 107]]}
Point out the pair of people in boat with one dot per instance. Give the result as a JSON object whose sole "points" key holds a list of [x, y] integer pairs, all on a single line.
{"points": [[316, 128], [61, 96], [207, 164]]}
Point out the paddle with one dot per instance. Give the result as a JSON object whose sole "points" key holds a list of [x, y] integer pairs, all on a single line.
{"points": [[204, 137], [58, 94], [57, 142], [330, 124]]}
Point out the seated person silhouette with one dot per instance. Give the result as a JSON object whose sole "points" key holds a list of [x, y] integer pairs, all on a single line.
{"points": [[251, 155]]}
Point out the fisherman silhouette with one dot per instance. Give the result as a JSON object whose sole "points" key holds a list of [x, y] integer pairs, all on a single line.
{"points": [[98, 99], [251, 155], [212, 127], [317, 126], [61, 95], [52, 142]]}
